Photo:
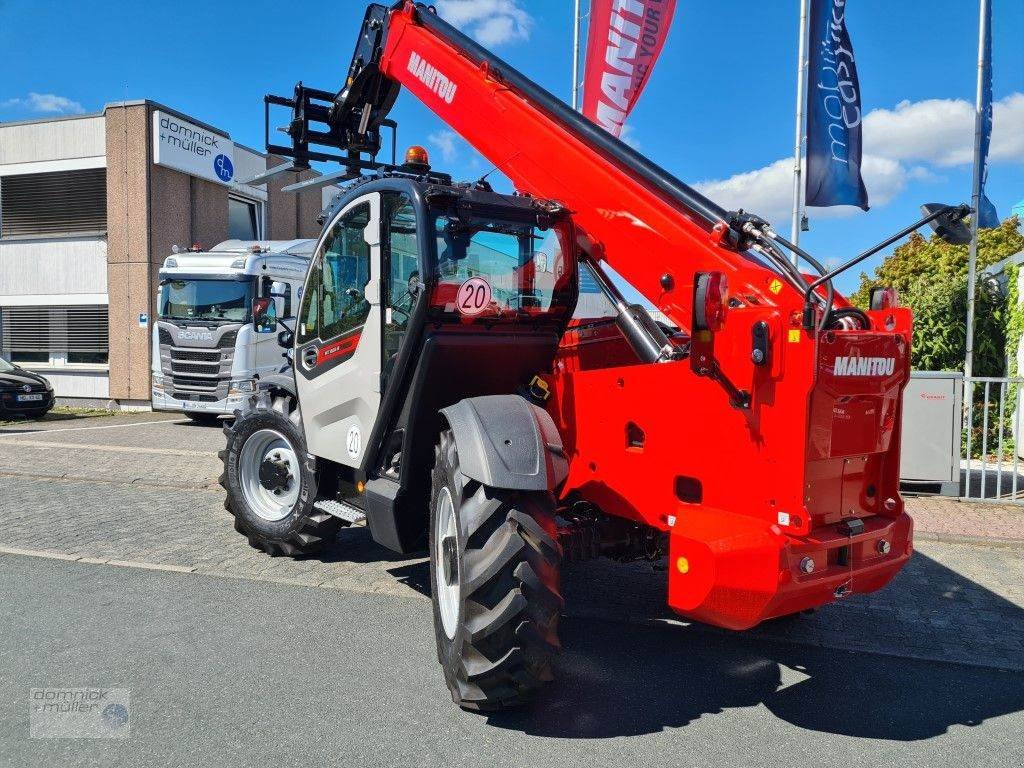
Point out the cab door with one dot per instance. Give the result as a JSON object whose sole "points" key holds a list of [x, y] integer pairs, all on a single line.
{"points": [[338, 338]]}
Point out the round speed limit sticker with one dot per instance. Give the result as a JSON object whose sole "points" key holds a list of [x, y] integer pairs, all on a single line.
{"points": [[474, 296]]}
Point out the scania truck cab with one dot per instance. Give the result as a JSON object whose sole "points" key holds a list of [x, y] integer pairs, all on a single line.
{"points": [[218, 316]]}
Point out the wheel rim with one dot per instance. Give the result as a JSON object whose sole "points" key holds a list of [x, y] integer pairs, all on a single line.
{"points": [[270, 474], [446, 568]]}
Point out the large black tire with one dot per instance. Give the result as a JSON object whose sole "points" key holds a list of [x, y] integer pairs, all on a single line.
{"points": [[506, 557], [206, 419], [303, 529]]}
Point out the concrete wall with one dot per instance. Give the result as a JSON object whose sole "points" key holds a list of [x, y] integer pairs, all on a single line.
{"points": [[56, 271], [129, 273], [90, 384], [62, 139], [53, 267], [150, 209]]}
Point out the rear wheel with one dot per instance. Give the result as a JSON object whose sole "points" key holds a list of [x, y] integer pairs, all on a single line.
{"points": [[271, 482], [206, 419], [494, 566]]}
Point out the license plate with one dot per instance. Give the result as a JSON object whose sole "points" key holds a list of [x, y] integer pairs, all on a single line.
{"points": [[29, 398]]}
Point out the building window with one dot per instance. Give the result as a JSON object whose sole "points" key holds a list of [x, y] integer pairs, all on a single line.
{"points": [[54, 203], [71, 335], [244, 219]]}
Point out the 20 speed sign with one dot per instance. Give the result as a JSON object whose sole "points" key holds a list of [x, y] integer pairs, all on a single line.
{"points": [[474, 296]]}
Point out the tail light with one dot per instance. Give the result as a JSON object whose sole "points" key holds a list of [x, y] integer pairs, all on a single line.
{"points": [[710, 301], [884, 298]]}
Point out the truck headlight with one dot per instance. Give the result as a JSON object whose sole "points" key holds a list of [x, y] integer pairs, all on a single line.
{"points": [[242, 387], [158, 382]]}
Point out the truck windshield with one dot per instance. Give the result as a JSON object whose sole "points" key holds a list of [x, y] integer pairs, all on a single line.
{"points": [[522, 269], [207, 300]]}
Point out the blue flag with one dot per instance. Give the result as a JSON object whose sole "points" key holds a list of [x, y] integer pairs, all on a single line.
{"points": [[834, 115], [987, 216]]}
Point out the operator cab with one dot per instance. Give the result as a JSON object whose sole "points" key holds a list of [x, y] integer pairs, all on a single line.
{"points": [[421, 293]]}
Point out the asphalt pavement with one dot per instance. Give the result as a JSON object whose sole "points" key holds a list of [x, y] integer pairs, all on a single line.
{"points": [[238, 672], [120, 569]]}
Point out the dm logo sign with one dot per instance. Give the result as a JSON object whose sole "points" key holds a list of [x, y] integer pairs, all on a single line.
{"points": [[223, 167]]}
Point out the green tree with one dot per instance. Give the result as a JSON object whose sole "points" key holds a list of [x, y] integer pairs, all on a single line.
{"points": [[931, 278]]}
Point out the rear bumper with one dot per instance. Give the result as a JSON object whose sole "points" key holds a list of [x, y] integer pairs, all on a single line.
{"points": [[735, 572]]}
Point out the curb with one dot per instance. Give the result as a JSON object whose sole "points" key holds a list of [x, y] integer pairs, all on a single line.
{"points": [[973, 541]]}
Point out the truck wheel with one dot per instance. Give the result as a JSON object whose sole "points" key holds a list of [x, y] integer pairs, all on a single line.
{"points": [[271, 482], [494, 572], [206, 419]]}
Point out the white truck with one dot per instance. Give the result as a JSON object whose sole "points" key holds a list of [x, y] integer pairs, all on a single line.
{"points": [[218, 317]]}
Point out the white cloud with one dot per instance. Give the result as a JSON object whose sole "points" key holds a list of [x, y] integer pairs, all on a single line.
{"points": [[445, 143], [47, 103], [491, 22], [899, 144], [627, 136], [941, 131], [768, 191]]}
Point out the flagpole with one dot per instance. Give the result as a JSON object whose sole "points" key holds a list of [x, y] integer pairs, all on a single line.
{"points": [[972, 259], [576, 56], [801, 81]]}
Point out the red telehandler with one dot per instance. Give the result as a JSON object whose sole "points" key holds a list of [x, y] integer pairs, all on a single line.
{"points": [[467, 374]]}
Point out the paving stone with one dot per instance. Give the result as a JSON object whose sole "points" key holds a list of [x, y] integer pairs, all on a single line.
{"points": [[957, 600]]}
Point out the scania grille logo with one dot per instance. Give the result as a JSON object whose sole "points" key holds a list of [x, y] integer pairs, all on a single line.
{"points": [[865, 366], [431, 77], [196, 335]]}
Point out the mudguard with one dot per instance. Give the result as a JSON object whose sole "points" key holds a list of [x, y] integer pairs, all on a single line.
{"points": [[284, 382], [507, 442]]}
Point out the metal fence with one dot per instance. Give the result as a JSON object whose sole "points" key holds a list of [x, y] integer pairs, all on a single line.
{"points": [[991, 464]]}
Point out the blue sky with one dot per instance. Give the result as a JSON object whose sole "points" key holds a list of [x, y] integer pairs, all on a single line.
{"points": [[719, 105]]}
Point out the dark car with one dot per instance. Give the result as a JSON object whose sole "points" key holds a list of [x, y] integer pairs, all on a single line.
{"points": [[23, 392]]}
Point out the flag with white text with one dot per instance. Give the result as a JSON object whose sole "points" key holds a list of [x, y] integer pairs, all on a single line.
{"points": [[625, 39], [834, 116]]}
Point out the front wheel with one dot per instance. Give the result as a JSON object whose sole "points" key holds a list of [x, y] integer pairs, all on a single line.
{"points": [[494, 567], [271, 482]]}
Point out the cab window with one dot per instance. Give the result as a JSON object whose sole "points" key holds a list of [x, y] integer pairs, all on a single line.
{"points": [[403, 269], [335, 301], [524, 267]]}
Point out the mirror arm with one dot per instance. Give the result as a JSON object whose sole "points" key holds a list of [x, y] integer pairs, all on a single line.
{"points": [[951, 211]]}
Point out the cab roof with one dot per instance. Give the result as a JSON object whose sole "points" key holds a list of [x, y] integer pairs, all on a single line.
{"points": [[232, 258]]}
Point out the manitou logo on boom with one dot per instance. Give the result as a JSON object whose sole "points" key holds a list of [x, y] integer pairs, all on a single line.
{"points": [[431, 77], [865, 366]]}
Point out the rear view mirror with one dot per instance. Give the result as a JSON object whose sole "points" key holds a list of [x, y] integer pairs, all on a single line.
{"points": [[264, 315], [285, 339], [950, 226]]}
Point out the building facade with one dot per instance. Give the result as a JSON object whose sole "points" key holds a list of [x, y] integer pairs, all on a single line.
{"points": [[91, 205]]}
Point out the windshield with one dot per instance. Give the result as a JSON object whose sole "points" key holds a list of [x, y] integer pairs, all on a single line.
{"points": [[494, 269], [5, 367], [209, 300]]}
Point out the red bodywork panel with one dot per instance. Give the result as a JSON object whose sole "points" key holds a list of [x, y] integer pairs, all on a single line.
{"points": [[744, 494]]}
